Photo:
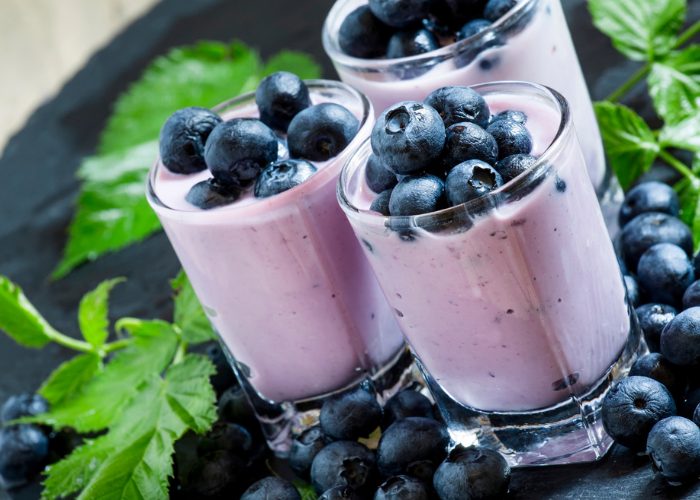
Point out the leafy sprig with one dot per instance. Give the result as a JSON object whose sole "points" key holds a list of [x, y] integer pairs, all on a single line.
{"points": [[649, 31]]}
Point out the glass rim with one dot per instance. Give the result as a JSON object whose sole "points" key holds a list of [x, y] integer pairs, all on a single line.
{"points": [[280, 199], [330, 42], [513, 186]]}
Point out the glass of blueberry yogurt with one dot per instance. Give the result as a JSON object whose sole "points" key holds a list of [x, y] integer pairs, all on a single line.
{"points": [[473, 209], [246, 195], [394, 50]]}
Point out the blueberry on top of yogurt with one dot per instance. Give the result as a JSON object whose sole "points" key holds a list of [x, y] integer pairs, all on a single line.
{"points": [[183, 137]]}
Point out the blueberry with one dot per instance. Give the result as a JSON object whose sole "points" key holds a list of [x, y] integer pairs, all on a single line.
{"points": [[215, 474], [473, 27], [211, 193], [233, 406], [696, 415], [674, 447], [406, 403], [413, 446], [343, 463], [696, 263], [691, 296], [304, 448], [470, 180], [456, 12], [648, 229], [512, 138], [280, 96], [495, 9], [680, 339], [655, 366], [631, 408], [408, 137], [23, 452], [183, 137], [381, 202], [282, 175], [411, 43], [321, 131], [351, 414], [632, 287], [226, 436], [472, 472], [648, 197], [23, 405], [271, 487], [400, 13], [664, 272], [237, 150], [378, 177], [362, 35], [224, 376], [468, 141], [340, 493], [459, 104], [401, 488], [512, 115], [416, 195], [512, 166]]}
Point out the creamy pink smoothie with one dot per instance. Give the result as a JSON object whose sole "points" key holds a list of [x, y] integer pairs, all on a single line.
{"points": [[539, 51], [282, 279], [520, 306]]}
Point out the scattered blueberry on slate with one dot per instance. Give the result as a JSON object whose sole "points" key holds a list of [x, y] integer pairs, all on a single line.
{"points": [[23, 452], [351, 415], [401, 488], [633, 293], [281, 176], [512, 138], [674, 447], [183, 137], [210, 194], [227, 436], [23, 405], [381, 203], [470, 180], [400, 13], [321, 131], [459, 104], [655, 366], [411, 43], [378, 177], [648, 229], [340, 493], [280, 96], [690, 402], [237, 150], [648, 197], [472, 473], [664, 272], [652, 320], [495, 9], [304, 449], [415, 195], [408, 137], [680, 339], [468, 141], [406, 403], [343, 463], [233, 406], [271, 487], [512, 166], [691, 297], [631, 408], [362, 35]]}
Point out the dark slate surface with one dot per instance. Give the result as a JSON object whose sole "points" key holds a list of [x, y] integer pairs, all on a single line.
{"points": [[38, 191]]}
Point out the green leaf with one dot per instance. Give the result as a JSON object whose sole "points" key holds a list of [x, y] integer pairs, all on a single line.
{"points": [[19, 319], [306, 491], [189, 313], [674, 85], [630, 144], [92, 314], [299, 63], [684, 134], [190, 394], [69, 378], [640, 29]]}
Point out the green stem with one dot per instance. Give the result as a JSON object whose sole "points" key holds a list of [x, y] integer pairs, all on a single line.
{"points": [[69, 342], [181, 351], [678, 165], [688, 34], [629, 84], [116, 345]]}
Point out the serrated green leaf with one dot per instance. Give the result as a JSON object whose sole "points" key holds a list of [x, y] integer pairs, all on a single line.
{"points": [[190, 394], [630, 144], [674, 85], [689, 197], [306, 491], [684, 134], [288, 60], [69, 378], [189, 315], [93, 313], [19, 319], [640, 29]]}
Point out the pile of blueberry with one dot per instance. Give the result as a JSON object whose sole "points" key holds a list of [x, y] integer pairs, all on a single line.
{"points": [[655, 410], [245, 152], [401, 28], [443, 152]]}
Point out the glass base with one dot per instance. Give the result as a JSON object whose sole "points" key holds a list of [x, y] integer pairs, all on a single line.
{"points": [[569, 432], [280, 422]]}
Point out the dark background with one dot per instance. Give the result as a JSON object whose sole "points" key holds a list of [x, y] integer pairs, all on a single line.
{"points": [[38, 190]]}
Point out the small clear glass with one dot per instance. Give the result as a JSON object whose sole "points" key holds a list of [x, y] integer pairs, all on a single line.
{"points": [[530, 43], [513, 303], [285, 285]]}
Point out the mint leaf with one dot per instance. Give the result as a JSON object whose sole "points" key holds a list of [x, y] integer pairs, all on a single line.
{"points": [[190, 394], [689, 197], [642, 30], [189, 315], [306, 491], [684, 134], [630, 144], [92, 314], [297, 62], [674, 84], [19, 319], [69, 378]]}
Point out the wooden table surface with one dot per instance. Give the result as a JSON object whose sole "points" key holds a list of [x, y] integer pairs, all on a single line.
{"points": [[39, 188]]}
